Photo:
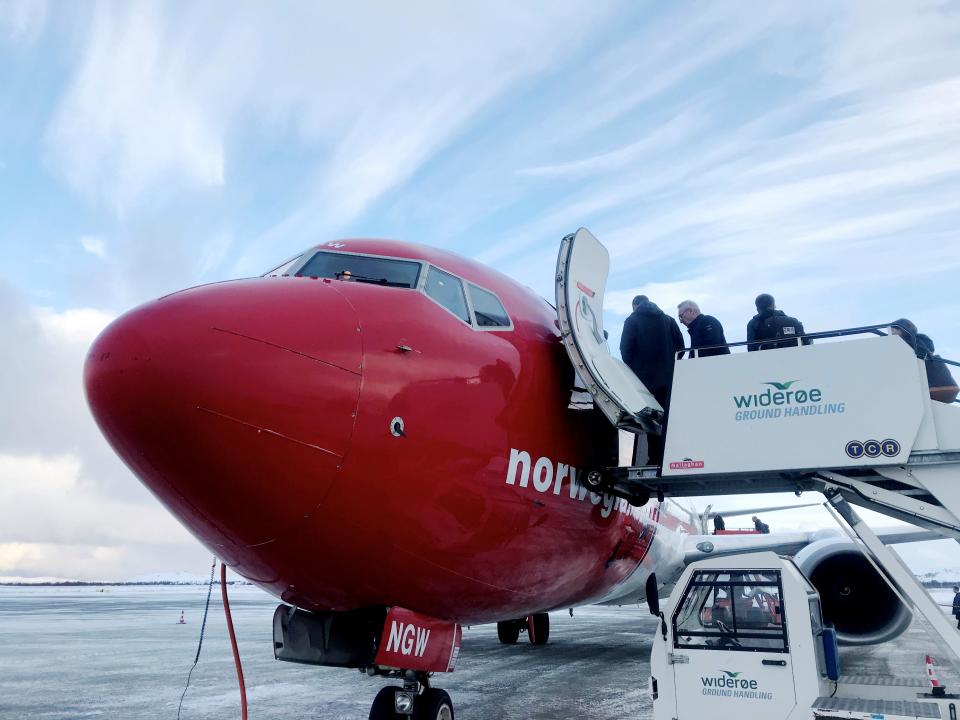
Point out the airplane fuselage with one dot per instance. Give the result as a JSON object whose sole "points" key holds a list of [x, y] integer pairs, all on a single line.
{"points": [[349, 444]]}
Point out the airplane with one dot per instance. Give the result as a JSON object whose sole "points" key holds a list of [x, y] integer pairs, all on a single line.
{"points": [[385, 437]]}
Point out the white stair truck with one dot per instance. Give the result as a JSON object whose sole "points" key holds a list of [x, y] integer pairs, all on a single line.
{"points": [[852, 419], [742, 636], [854, 415]]}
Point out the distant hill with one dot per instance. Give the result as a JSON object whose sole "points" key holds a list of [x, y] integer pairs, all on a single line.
{"points": [[168, 578], [946, 577]]}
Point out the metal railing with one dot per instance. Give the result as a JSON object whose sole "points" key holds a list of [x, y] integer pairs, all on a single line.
{"points": [[908, 337]]}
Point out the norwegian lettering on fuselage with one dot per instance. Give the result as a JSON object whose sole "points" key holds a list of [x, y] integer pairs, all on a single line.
{"points": [[407, 639], [546, 476]]}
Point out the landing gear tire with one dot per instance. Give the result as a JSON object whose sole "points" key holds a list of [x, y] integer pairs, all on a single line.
{"points": [[383, 707], [433, 704], [508, 631], [539, 628]]}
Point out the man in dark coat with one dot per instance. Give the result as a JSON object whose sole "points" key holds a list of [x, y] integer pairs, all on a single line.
{"points": [[649, 346], [760, 526], [956, 604], [771, 328], [942, 385], [705, 330]]}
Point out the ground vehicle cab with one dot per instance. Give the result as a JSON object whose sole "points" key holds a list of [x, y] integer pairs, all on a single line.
{"points": [[725, 643]]}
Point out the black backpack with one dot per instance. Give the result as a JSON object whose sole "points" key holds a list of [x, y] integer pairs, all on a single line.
{"points": [[939, 376], [784, 330]]}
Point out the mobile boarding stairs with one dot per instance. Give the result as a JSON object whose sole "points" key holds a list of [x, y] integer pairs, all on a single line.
{"points": [[850, 418]]}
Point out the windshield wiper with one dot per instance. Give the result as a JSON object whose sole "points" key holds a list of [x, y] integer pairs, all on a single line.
{"points": [[347, 275]]}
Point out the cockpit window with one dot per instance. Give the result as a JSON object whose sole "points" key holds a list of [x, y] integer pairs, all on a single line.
{"points": [[362, 268], [447, 290], [283, 269], [487, 308]]}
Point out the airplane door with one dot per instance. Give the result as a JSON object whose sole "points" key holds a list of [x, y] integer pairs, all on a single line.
{"points": [[730, 648], [582, 269]]}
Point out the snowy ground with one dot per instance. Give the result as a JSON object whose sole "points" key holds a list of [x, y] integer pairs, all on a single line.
{"points": [[80, 653]]}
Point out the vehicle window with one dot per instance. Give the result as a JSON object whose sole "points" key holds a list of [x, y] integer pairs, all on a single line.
{"points": [[447, 290], [362, 268], [283, 269], [487, 309], [741, 610]]}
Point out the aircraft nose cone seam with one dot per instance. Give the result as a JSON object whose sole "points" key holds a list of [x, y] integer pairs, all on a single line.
{"points": [[224, 398], [261, 429], [354, 371]]}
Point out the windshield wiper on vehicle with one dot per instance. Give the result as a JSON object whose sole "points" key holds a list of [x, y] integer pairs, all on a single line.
{"points": [[347, 275]]}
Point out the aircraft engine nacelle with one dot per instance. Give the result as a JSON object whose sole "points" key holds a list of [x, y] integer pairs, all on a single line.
{"points": [[853, 596]]}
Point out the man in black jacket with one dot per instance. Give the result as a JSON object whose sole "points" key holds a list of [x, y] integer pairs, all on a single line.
{"points": [[705, 330], [942, 385], [649, 346], [956, 605], [771, 328]]}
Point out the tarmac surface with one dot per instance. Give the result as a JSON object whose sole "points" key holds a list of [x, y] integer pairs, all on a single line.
{"points": [[120, 653]]}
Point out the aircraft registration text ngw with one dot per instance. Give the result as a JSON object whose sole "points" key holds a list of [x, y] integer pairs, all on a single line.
{"points": [[407, 639]]}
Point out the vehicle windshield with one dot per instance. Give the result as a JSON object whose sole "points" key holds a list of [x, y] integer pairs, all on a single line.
{"points": [[735, 610], [362, 268]]}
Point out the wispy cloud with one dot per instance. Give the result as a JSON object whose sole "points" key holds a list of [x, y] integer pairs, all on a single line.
{"points": [[22, 21], [663, 138], [160, 90], [94, 245], [77, 326], [134, 115]]}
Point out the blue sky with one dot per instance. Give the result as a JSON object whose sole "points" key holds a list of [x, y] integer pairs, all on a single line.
{"points": [[718, 149]]}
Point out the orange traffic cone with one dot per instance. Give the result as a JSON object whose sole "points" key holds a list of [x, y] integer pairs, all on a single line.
{"points": [[182, 621]]}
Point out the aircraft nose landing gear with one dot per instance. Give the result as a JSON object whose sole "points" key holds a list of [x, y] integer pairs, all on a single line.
{"points": [[537, 627], [416, 700], [387, 642]]}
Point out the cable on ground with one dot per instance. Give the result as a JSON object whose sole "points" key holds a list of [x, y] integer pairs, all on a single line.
{"points": [[203, 626]]}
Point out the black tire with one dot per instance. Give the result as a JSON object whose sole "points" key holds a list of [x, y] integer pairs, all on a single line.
{"points": [[508, 631], [540, 629], [433, 704], [383, 707]]}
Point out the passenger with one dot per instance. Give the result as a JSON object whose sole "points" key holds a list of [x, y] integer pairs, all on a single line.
{"points": [[705, 330], [943, 387], [956, 604], [649, 346], [771, 328], [760, 526], [718, 523]]}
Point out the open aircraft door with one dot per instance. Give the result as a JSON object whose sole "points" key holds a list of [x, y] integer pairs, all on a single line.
{"points": [[582, 269]]}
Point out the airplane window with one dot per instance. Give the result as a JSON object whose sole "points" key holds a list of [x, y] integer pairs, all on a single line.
{"points": [[362, 268], [487, 308], [448, 291], [283, 269]]}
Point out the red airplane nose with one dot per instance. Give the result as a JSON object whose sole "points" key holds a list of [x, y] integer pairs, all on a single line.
{"points": [[234, 403]]}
